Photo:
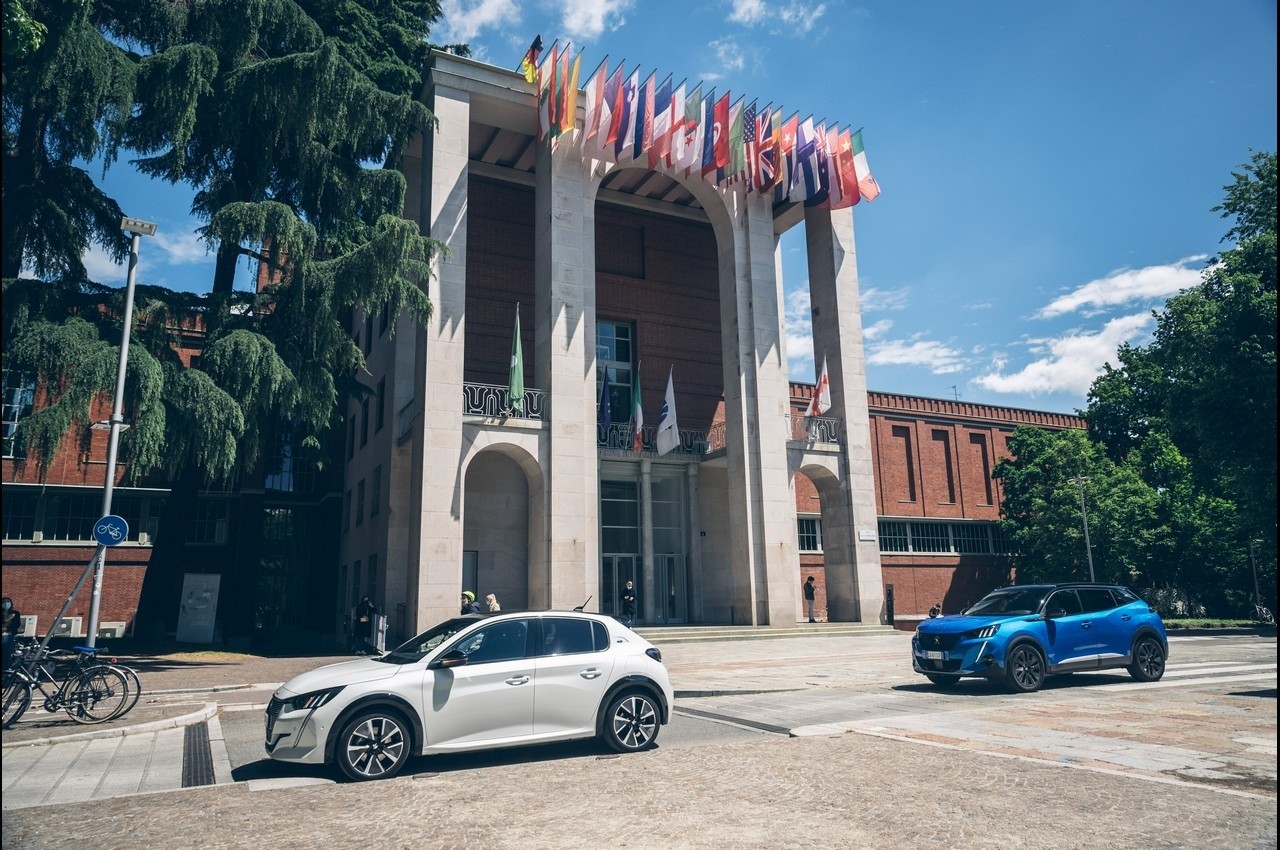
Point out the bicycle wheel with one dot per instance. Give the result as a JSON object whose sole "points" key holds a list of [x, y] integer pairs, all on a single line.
{"points": [[98, 695], [17, 697], [135, 688]]}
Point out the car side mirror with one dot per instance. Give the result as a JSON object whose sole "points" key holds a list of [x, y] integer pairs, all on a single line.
{"points": [[1053, 615], [452, 658]]}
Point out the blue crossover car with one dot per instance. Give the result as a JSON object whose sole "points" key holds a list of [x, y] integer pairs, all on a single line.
{"points": [[1021, 635]]}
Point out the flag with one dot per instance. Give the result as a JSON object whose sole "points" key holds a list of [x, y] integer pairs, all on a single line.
{"points": [[765, 168], [675, 137], [721, 126], [866, 183], [642, 124], [637, 417], [821, 401], [529, 64], [690, 138], [785, 139], [626, 117], [668, 431], [569, 115], [660, 145], [749, 144], [805, 180], [594, 94], [736, 163], [515, 383], [849, 192], [545, 93], [707, 120], [820, 193], [835, 192], [609, 107], [604, 415]]}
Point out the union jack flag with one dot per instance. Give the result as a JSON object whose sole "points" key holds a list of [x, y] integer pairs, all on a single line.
{"points": [[764, 157]]}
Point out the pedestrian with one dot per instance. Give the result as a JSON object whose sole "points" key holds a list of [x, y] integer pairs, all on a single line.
{"points": [[935, 611], [810, 596], [12, 628], [364, 626], [629, 604], [492, 602], [469, 603]]}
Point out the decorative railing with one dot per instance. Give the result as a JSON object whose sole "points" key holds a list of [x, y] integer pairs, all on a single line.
{"points": [[717, 437], [620, 437], [491, 400], [815, 429]]}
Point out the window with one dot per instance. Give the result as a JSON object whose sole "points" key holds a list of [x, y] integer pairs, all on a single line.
{"points": [[929, 537], [208, 523], [893, 537], [505, 641], [375, 492], [385, 318], [19, 396], [566, 636], [368, 334], [380, 414], [1096, 599], [364, 423], [614, 353], [971, 539], [70, 516], [373, 576], [360, 502], [1062, 603], [19, 515], [809, 533]]}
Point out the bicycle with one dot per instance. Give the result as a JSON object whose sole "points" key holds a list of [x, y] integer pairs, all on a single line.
{"points": [[89, 692], [1263, 614]]}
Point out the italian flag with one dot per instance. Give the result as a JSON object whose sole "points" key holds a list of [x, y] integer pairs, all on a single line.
{"points": [[637, 417], [866, 183]]}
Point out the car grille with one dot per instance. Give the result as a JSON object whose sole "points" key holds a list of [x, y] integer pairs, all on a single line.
{"points": [[937, 641], [951, 665], [273, 711]]}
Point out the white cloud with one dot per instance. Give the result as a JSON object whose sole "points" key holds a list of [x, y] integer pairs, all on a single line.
{"points": [[179, 248], [102, 268], [798, 320], [938, 358], [589, 18], [748, 12], [877, 330], [465, 20], [875, 300], [801, 18], [1070, 363], [1125, 286], [729, 54]]}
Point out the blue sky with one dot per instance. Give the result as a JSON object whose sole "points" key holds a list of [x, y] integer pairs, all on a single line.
{"points": [[1047, 170]]}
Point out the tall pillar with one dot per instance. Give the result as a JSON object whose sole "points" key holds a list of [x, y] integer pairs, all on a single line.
{"points": [[648, 593], [855, 588], [564, 352], [436, 578], [695, 544], [757, 404]]}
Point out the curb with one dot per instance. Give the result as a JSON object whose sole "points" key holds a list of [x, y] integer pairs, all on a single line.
{"points": [[210, 709]]}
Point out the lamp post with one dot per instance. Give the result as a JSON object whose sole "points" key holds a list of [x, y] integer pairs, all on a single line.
{"points": [[137, 228], [1084, 516]]}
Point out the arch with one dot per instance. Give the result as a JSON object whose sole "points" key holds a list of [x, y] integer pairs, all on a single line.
{"points": [[502, 518]]}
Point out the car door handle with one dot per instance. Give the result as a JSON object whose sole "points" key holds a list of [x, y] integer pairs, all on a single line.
{"points": [[1125, 617], [591, 673], [517, 680]]}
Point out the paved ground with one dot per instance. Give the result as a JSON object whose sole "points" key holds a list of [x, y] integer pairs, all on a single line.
{"points": [[880, 760]]}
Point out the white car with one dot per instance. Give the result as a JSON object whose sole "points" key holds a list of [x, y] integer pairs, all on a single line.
{"points": [[475, 682]]}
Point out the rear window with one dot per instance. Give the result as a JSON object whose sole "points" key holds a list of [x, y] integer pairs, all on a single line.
{"points": [[567, 636]]}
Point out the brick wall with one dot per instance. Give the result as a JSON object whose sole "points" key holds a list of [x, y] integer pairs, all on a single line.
{"points": [[39, 578]]}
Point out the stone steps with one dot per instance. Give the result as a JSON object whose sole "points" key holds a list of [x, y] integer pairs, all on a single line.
{"points": [[698, 634]]}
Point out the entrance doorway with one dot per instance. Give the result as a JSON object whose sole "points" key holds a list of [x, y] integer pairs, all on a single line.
{"points": [[615, 572], [671, 604]]}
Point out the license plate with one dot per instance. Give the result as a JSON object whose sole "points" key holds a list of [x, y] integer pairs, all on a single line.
{"points": [[935, 655]]}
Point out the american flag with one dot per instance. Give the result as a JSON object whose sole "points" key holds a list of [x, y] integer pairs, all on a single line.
{"points": [[749, 141]]}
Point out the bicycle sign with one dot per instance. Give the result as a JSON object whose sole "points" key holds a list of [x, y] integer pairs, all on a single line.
{"points": [[111, 530]]}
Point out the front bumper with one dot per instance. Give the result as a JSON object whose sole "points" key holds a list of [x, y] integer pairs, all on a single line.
{"points": [[964, 658], [295, 736]]}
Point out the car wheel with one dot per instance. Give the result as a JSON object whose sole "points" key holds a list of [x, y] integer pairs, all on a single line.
{"points": [[1024, 669], [373, 745], [1148, 660], [943, 681], [631, 722]]}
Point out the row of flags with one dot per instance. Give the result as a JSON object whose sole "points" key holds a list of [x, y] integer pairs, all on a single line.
{"points": [[668, 435], [725, 141]]}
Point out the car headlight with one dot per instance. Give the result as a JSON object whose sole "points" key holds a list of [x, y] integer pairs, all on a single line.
{"points": [[313, 700], [985, 632]]}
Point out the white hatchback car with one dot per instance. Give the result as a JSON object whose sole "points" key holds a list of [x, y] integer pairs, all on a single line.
{"points": [[475, 682]]}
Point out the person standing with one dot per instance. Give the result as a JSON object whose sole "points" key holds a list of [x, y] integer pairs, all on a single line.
{"points": [[364, 625], [492, 602], [629, 604], [12, 628], [810, 596], [469, 603]]}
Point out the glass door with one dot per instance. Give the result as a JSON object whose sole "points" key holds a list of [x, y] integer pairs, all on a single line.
{"points": [[615, 572], [672, 602]]}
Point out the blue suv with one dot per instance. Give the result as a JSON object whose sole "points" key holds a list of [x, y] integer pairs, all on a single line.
{"points": [[1023, 634]]}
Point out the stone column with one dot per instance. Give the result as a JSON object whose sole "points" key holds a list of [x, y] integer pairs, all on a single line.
{"points": [[695, 544], [757, 404], [855, 589], [564, 352], [648, 599], [436, 578]]}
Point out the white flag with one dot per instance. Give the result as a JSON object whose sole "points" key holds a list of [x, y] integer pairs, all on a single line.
{"points": [[668, 431], [821, 401]]}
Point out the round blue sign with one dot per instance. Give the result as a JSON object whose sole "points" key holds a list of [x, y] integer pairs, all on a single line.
{"points": [[111, 530]]}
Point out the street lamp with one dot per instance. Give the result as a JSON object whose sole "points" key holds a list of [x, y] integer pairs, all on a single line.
{"points": [[136, 228], [1084, 515]]}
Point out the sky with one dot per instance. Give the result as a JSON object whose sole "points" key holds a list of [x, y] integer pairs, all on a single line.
{"points": [[1047, 170]]}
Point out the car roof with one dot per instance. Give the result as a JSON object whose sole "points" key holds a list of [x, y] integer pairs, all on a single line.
{"points": [[1059, 586]]}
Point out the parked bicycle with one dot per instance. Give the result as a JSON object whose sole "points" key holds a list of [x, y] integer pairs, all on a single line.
{"points": [[1263, 614], [79, 683]]}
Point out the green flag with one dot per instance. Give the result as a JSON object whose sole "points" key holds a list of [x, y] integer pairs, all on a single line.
{"points": [[515, 386]]}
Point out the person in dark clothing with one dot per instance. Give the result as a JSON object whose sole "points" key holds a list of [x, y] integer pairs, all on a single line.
{"points": [[12, 628], [810, 596], [364, 625], [629, 604], [935, 611], [469, 603]]}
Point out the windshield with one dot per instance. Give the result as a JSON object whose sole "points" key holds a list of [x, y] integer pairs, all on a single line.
{"points": [[416, 648], [1009, 602]]}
